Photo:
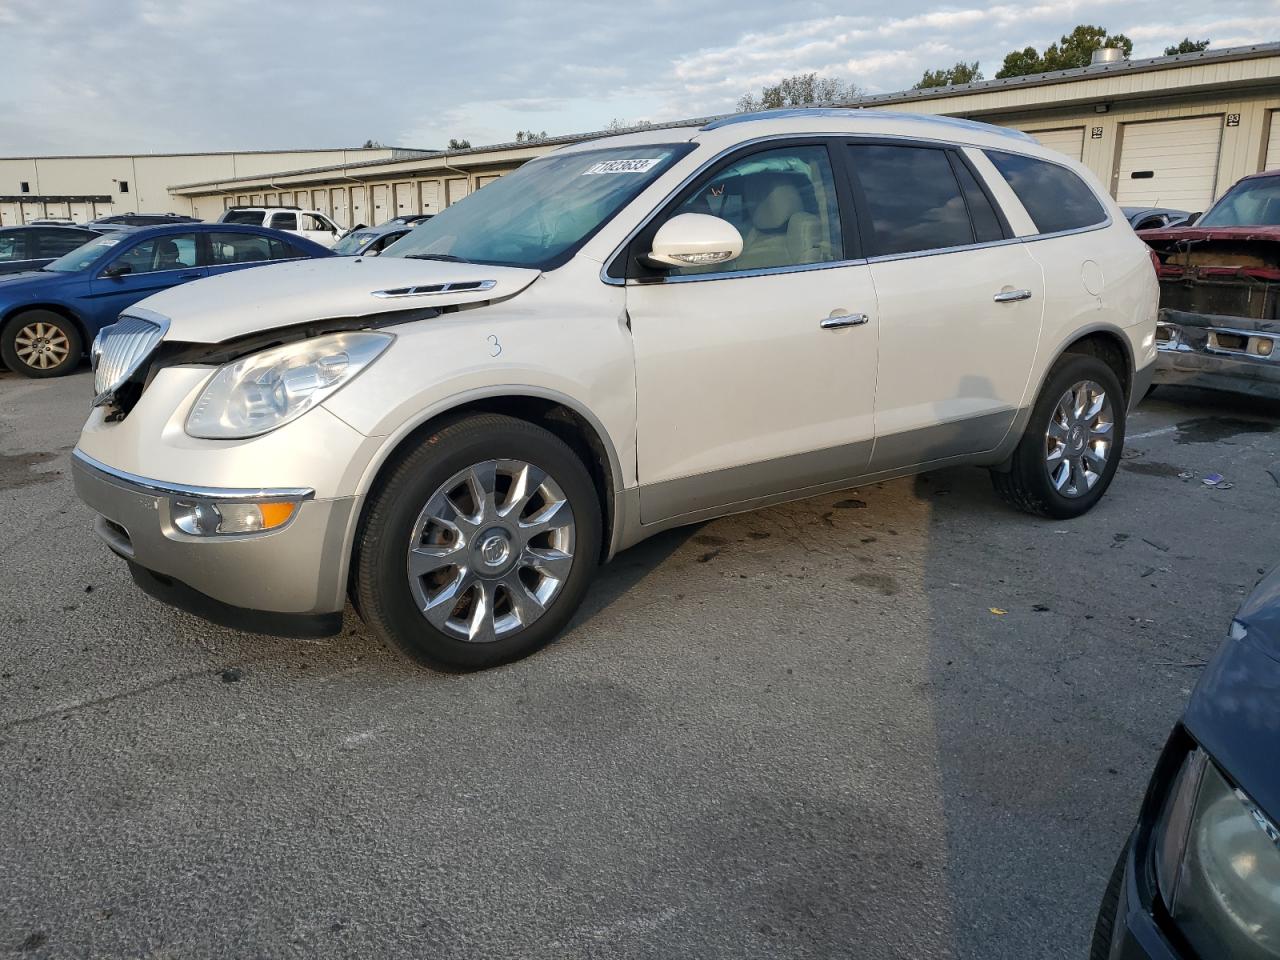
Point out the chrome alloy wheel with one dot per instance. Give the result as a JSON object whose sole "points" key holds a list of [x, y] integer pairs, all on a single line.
{"points": [[41, 345], [1079, 439], [490, 550]]}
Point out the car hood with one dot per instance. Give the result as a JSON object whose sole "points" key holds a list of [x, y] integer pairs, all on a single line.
{"points": [[9, 281], [281, 295], [1211, 233], [1234, 711]]}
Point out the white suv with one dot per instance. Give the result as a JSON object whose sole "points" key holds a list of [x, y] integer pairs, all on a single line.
{"points": [[620, 337], [312, 224]]}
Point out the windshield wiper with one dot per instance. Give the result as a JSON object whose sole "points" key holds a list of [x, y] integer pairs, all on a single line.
{"points": [[451, 258]]}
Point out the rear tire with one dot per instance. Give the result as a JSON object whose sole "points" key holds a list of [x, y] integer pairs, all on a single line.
{"points": [[1071, 448], [41, 343], [479, 545]]}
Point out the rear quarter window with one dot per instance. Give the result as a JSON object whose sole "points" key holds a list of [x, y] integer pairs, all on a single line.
{"points": [[1054, 197]]}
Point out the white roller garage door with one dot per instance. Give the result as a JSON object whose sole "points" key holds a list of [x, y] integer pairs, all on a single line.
{"points": [[1169, 163], [1273, 143], [1070, 142]]}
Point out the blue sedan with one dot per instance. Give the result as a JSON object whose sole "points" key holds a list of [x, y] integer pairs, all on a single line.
{"points": [[48, 317]]}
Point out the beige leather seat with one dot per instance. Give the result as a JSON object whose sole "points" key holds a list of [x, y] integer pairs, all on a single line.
{"points": [[782, 233]]}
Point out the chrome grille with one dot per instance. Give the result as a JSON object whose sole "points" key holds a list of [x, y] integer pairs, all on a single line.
{"points": [[118, 351]]}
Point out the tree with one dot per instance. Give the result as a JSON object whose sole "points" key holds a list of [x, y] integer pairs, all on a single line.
{"points": [[961, 73], [372, 145], [1186, 45], [617, 124], [798, 91], [459, 144], [1074, 49], [528, 136]]}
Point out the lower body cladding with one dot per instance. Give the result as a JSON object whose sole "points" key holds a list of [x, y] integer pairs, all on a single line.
{"points": [[288, 581], [1238, 354]]}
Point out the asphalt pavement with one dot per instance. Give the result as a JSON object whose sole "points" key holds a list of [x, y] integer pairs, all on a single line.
{"points": [[903, 721]]}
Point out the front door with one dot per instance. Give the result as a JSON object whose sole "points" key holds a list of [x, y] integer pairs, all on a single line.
{"points": [[757, 377], [960, 304], [155, 264]]}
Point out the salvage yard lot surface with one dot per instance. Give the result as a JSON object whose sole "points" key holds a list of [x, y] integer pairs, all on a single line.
{"points": [[898, 722]]}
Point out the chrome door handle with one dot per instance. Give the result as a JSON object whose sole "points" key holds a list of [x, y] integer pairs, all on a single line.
{"points": [[838, 320], [1012, 296]]}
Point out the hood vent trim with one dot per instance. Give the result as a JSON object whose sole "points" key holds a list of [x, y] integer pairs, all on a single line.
{"points": [[436, 289]]}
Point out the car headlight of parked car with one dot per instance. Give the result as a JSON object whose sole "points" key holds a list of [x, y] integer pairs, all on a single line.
{"points": [[265, 390], [1217, 860]]}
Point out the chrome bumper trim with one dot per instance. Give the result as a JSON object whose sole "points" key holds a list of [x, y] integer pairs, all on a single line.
{"points": [[156, 487]]}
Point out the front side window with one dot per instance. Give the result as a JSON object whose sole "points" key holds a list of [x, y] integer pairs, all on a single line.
{"points": [[312, 222], [1250, 203], [542, 213], [912, 198], [783, 203], [170, 252], [1054, 197], [227, 248]]}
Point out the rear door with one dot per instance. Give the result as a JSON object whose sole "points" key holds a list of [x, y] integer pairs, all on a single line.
{"points": [[236, 251], [757, 377], [960, 303]]}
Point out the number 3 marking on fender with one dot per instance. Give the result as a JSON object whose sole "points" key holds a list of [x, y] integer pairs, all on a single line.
{"points": [[497, 347]]}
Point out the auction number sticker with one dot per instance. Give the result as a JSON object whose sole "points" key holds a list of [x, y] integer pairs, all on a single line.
{"points": [[622, 166]]}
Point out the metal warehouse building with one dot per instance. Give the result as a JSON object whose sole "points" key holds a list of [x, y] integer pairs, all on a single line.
{"points": [[1166, 131]]}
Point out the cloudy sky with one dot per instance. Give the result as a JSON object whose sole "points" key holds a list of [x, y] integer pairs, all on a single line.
{"points": [[89, 76]]}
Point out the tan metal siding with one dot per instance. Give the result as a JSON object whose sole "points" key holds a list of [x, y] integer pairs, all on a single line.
{"points": [[1069, 141]]}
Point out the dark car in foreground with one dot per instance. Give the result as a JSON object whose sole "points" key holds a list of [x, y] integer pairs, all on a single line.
{"points": [[1199, 877], [1153, 218], [48, 317], [31, 247], [370, 241], [1220, 293]]}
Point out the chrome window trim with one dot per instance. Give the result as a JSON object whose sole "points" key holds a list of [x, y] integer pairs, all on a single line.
{"points": [[157, 488], [797, 268]]}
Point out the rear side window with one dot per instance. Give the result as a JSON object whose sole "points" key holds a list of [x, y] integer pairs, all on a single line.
{"points": [[1054, 197], [251, 217], [54, 243], [912, 198], [247, 248], [284, 221]]}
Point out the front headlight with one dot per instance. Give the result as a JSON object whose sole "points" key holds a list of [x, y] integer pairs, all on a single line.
{"points": [[1218, 866], [263, 391]]}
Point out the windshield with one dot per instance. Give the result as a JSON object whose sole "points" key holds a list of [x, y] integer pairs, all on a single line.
{"points": [[82, 258], [352, 243], [1253, 203], [540, 214], [251, 217]]}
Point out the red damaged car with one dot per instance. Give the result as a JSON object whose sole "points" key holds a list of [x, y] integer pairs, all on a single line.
{"points": [[1219, 321]]}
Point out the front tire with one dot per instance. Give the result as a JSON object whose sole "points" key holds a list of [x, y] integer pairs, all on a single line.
{"points": [[480, 544], [41, 343], [1071, 448]]}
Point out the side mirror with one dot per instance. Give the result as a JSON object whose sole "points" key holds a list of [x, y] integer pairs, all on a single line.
{"points": [[695, 240], [1190, 221], [117, 270], [371, 253]]}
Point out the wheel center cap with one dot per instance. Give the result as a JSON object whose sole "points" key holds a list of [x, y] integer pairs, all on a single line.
{"points": [[494, 551], [1077, 437]]}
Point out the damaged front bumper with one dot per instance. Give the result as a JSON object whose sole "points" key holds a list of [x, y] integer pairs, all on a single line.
{"points": [[1239, 354]]}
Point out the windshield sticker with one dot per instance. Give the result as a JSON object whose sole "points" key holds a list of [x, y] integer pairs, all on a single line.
{"points": [[622, 166]]}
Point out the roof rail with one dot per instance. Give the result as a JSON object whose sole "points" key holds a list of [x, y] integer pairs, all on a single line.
{"points": [[860, 113], [265, 206]]}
